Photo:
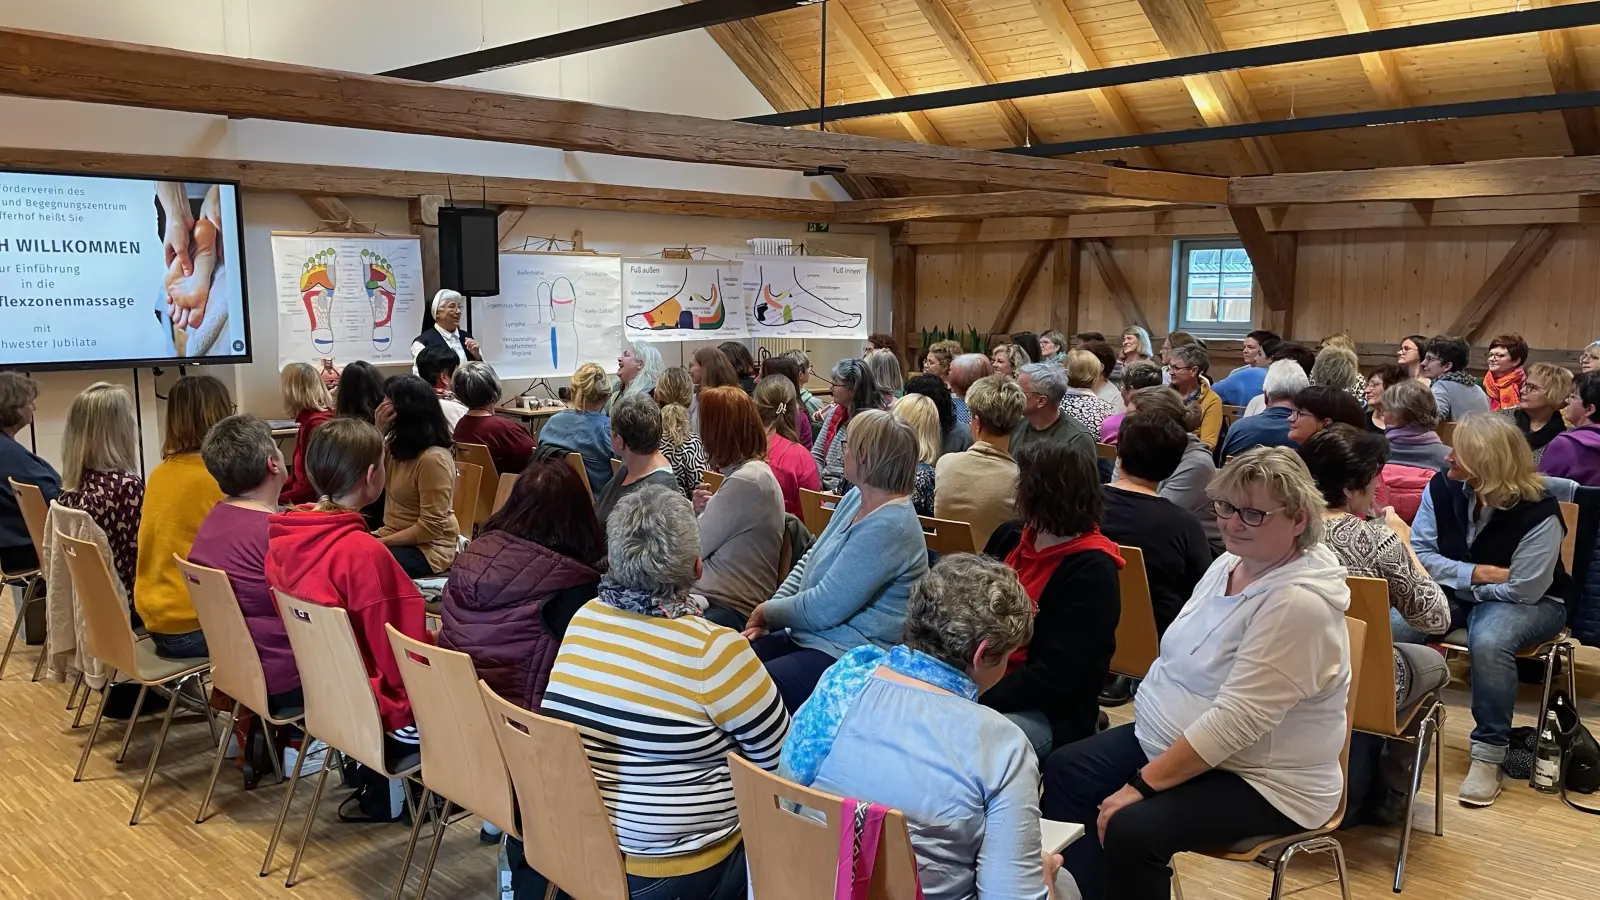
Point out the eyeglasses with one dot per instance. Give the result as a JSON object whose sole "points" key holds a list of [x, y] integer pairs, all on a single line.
{"points": [[1529, 387], [1499, 354], [1248, 515], [1184, 368], [1430, 358]]}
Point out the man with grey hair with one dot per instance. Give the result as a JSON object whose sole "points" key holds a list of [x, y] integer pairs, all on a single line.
{"points": [[1043, 385], [1285, 380], [636, 440]]}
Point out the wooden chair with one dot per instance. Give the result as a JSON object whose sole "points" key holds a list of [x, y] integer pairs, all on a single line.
{"points": [[1375, 712], [1105, 451], [1138, 644], [32, 503], [818, 507], [465, 506], [616, 466], [944, 536], [791, 854], [236, 663], [460, 760], [479, 455], [110, 639], [575, 460], [567, 833], [503, 490], [1231, 414], [1446, 432], [712, 480], [340, 708], [1277, 853]]}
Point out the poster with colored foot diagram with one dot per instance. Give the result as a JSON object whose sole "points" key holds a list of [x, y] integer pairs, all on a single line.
{"points": [[682, 300], [554, 312], [342, 296], [805, 296]]}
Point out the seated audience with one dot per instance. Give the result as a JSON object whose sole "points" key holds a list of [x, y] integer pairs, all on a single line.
{"points": [[854, 391], [1135, 348], [918, 411], [324, 555], [242, 456], [360, 391], [1105, 387], [638, 368], [953, 438], [1576, 453], [709, 367], [879, 340], [744, 364], [177, 497], [1297, 354], [419, 519], [966, 369], [1239, 725], [1187, 365], [309, 404], [1043, 386], [786, 367], [1080, 401], [513, 590], [1416, 454], [437, 366], [1176, 549], [679, 443], [636, 440], [978, 486], [1340, 339], [1410, 353], [937, 360], [1008, 360], [1381, 379], [1172, 341], [1337, 367], [1069, 570], [1283, 383], [17, 394], [790, 462], [1589, 359], [1186, 486], [1248, 379], [1053, 348], [802, 361], [1503, 382], [1029, 342], [1455, 390], [741, 525], [582, 428], [705, 697], [1136, 375], [1538, 414], [886, 374], [1490, 534], [850, 588], [100, 471], [899, 728], [1319, 406], [510, 446]]}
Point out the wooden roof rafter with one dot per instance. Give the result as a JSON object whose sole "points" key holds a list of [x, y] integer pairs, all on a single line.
{"points": [[1383, 73], [972, 66]]}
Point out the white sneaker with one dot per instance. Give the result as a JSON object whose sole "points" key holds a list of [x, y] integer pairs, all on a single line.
{"points": [[1482, 785]]}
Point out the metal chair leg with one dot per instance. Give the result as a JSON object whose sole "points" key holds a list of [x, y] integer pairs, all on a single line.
{"points": [[1340, 868], [311, 814], [283, 810], [216, 767], [272, 751], [1280, 871], [16, 627], [83, 704], [95, 729], [44, 651], [155, 757], [1423, 736], [1438, 770], [441, 822], [1550, 657], [133, 720], [72, 696], [411, 844]]}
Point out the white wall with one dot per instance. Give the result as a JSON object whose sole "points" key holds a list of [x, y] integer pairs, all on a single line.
{"points": [[685, 73]]}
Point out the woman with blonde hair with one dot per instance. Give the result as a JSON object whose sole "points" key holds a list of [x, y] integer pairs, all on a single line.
{"points": [[1340, 339], [1538, 413], [1081, 402], [790, 461], [938, 359], [582, 428], [1008, 360], [99, 470], [1338, 367], [886, 372], [679, 444], [1490, 535], [1589, 359], [919, 412], [307, 401], [1135, 347]]}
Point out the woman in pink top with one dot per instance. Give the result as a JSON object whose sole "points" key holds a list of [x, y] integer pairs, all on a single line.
{"points": [[790, 462]]}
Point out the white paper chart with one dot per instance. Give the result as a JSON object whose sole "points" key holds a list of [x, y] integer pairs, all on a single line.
{"points": [[682, 300], [554, 312], [806, 296], [347, 296]]}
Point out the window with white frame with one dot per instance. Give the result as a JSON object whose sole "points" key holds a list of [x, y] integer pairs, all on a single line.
{"points": [[1212, 285]]}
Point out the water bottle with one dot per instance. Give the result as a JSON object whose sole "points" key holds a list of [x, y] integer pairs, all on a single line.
{"points": [[1547, 757]]}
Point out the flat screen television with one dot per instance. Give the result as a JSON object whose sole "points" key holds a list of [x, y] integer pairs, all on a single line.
{"points": [[113, 272]]}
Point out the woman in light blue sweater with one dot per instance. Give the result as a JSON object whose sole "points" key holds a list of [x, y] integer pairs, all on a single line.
{"points": [[584, 429], [850, 589]]}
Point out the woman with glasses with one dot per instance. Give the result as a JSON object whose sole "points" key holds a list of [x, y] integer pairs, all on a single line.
{"points": [[1506, 376], [854, 390], [1187, 364], [1576, 454], [1589, 359], [1239, 724], [1319, 406], [1538, 411]]}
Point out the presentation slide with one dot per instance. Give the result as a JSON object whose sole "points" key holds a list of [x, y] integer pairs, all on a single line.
{"points": [[100, 272]]}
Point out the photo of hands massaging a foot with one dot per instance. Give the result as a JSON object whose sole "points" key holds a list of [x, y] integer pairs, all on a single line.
{"points": [[196, 293]]}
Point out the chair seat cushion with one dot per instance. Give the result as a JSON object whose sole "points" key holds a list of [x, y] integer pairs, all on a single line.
{"points": [[154, 670]]}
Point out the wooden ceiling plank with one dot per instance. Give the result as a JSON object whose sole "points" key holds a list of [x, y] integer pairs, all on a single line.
{"points": [[972, 66], [1494, 178], [1031, 264], [1567, 76], [1116, 282], [1079, 54], [507, 221], [877, 72], [967, 207], [1383, 73], [1526, 253]]}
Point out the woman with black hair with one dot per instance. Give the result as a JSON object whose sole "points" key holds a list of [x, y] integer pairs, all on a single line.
{"points": [[1029, 342], [419, 521], [788, 368], [854, 390], [953, 438], [360, 391]]}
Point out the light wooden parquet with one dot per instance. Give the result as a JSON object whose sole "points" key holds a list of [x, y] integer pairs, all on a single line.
{"points": [[72, 841]]}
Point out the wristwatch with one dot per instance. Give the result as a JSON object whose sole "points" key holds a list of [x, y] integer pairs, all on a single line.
{"points": [[1137, 782]]}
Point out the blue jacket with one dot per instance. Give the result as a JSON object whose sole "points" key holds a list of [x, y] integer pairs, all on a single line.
{"points": [[587, 434], [1241, 384], [1268, 428], [17, 461]]}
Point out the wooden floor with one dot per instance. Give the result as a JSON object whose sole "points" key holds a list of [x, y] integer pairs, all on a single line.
{"points": [[65, 840]]}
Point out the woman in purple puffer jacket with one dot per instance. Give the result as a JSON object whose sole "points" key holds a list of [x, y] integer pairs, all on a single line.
{"points": [[513, 590]]}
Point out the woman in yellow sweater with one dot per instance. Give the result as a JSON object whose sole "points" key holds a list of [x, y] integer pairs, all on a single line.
{"points": [[419, 522], [177, 497]]}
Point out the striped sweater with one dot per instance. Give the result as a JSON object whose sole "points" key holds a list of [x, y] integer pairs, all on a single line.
{"points": [[660, 703]]}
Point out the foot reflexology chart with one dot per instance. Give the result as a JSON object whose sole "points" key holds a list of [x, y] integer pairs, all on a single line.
{"points": [[682, 300], [340, 295], [555, 311], [805, 296]]}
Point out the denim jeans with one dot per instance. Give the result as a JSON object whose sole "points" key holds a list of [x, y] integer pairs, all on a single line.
{"points": [[1495, 632], [180, 646], [724, 881], [1036, 726]]}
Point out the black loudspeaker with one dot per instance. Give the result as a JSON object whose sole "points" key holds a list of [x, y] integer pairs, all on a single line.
{"points": [[469, 250]]}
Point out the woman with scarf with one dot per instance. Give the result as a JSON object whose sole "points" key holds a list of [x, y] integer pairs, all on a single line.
{"points": [[443, 329], [1504, 380], [854, 390], [1545, 390]]}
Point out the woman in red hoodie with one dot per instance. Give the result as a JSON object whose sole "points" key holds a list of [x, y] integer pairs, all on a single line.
{"points": [[324, 554], [308, 402], [1069, 569]]}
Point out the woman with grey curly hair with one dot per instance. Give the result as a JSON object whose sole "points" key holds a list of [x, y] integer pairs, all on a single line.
{"points": [[899, 727]]}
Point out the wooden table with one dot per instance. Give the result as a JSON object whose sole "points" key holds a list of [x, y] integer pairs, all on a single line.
{"points": [[531, 419]]}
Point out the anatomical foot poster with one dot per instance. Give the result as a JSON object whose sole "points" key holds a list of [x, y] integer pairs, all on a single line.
{"points": [[554, 312], [682, 300], [346, 297], [805, 296]]}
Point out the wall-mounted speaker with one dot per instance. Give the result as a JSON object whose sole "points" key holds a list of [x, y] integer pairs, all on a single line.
{"points": [[469, 250]]}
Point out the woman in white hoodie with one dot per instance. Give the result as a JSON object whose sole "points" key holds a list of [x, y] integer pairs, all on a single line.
{"points": [[1239, 724]]}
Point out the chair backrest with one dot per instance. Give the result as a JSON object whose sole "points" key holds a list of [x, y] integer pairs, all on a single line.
{"points": [[1446, 432], [1569, 543], [465, 506], [1232, 413], [616, 466], [35, 508], [235, 661], [566, 831], [575, 460], [791, 854], [1105, 451], [817, 509], [1356, 630], [1138, 644], [479, 455], [340, 707], [460, 758], [712, 480], [502, 492], [105, 620], [1369, 602], [944, 536]]}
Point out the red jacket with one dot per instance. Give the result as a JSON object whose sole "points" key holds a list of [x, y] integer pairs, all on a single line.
{"points": [[298, 488], [330, 559]]}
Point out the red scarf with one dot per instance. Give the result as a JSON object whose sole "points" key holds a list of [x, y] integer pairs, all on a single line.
{"points": [[1035, 567], [1505, 391], [834, 422]]}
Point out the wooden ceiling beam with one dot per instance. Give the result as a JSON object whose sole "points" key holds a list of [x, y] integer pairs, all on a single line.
{"points": [[1020, 285], [967, 207], [1566, 76], [972, 66], [878, 74], [1526, 253], [1116, 282], [1080, 55], [1494, 178], [1273, 274], [61, 67], [1383, 73], [335, 214]]}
